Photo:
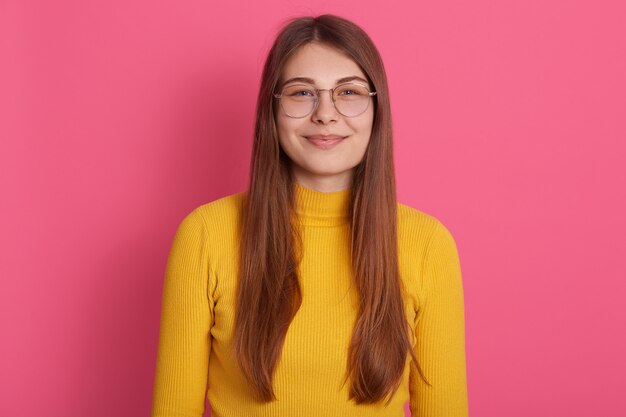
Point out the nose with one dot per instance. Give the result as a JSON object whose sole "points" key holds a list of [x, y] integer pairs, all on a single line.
{"points": [[325, 111]]}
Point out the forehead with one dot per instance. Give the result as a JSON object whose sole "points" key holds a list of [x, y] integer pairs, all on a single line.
{"points": [[324, 64]]}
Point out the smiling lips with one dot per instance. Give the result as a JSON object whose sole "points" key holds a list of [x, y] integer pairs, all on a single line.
{"points": [[324, 141]]}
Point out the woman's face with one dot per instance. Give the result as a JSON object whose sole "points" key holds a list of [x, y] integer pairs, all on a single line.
{"points": [[316, 164]]}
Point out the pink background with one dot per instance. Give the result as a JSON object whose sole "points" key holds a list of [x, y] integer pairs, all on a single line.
{"points": [[119, 117]]}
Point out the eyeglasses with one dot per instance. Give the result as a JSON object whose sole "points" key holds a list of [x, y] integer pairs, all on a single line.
{"points": [[300, 100]]}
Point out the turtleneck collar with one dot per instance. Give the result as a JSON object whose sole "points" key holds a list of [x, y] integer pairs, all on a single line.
{"points": [[315, 208]]}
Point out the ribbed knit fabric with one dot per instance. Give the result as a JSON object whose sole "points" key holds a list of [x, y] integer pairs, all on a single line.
{"points": [[199, 296]]}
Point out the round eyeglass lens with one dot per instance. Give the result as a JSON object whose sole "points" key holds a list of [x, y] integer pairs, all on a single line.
{"points": [[351, 99], [298, 100]]}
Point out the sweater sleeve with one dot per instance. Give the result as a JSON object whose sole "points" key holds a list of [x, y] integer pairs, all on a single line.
{"points": [[186, 318], [440, 332]]}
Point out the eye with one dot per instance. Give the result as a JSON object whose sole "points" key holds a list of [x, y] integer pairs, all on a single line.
{"points": [[351, 90], [299, 91]]}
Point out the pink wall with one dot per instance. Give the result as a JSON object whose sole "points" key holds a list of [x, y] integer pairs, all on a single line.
{"points": [[116, 120]]}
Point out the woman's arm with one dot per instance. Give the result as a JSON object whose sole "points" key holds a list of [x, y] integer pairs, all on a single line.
{"points": [[440, 332], [186, 319]]}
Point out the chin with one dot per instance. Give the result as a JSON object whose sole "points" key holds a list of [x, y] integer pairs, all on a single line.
{"points": [[326, 171]]}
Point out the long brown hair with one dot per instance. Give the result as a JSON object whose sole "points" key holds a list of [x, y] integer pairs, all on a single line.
{"points": [[269, 293]]}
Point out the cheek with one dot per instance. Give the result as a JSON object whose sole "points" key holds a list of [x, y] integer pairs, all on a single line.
{"points": [[290, 130], [365, 127], [284, 125], [281, 129], [365, 133], [286, 131]]}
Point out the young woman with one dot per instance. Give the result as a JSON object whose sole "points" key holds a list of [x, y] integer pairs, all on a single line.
{"points": [[314, 293]]}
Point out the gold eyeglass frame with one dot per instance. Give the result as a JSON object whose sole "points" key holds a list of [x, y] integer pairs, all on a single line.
{"points": [[332, 98]]}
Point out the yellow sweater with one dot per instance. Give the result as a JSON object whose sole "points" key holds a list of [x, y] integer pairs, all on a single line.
{"points": [[198, 311]]}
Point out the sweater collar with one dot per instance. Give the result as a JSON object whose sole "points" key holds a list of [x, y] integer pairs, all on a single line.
{"points": [[316, 208]]}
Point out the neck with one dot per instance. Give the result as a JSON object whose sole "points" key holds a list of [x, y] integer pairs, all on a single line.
{"points": [[316, 208], [324, 184]]}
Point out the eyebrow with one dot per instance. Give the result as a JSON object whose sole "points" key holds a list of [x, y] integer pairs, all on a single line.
{"points": [[312, 81]]}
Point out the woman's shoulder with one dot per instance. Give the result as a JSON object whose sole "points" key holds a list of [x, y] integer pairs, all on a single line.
{"points": [[420, 235], [226, 209], [412, 218], [415, 224], [225, 204]]}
